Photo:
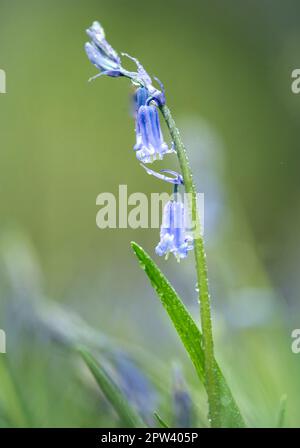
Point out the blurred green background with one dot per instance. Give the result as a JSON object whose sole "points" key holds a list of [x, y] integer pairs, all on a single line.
{"points": [[226, 66]]}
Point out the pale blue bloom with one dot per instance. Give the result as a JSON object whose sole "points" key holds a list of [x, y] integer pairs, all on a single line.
{"points": [[173, 236], [108, 62], [101, 54], [150, 144]]}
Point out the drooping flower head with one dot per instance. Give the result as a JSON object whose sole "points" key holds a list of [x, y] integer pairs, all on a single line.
{"points": [[108, 62], [173, 236], [150, 144], [101, 54]]}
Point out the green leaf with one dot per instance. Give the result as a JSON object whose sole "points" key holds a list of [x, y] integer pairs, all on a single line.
{"points": [[160, 420], [190, 335], [126, 412]]}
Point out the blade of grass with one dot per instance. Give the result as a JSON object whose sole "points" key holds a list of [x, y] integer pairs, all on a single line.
{"points": [[190, 336], [126, 412], [160, 420]]}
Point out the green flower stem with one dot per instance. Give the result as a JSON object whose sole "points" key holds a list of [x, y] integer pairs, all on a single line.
{"points": [[201, 268]]}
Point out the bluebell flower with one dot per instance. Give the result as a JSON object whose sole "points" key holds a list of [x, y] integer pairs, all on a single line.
{"points": [[149, 145], [101, 54], [108, 62], [173, 235], [149, 140]]}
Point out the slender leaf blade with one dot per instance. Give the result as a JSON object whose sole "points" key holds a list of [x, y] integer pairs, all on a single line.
{"points": [[112, 392], [182, 320], [160, 420], [189, 334]]}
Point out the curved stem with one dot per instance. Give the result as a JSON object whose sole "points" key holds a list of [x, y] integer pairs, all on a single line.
{"points": [[201, 268]]}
